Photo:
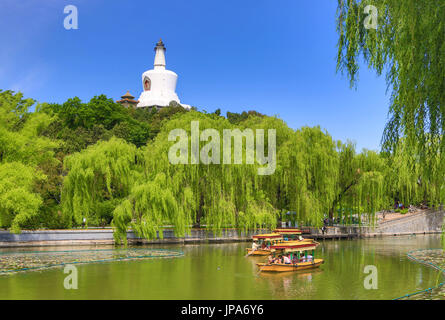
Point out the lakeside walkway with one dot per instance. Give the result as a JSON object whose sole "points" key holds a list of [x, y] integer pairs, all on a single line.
{"points": [[391, 216]]}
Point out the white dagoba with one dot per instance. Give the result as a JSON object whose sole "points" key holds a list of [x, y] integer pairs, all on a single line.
{"points": [[159, 84]]}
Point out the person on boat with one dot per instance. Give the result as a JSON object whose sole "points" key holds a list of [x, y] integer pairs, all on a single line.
{"points": [[286, 260], [254, 246], [309, 258], [271, 260]]}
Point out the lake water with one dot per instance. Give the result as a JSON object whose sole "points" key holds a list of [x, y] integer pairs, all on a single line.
{"points": [[220, 271]]}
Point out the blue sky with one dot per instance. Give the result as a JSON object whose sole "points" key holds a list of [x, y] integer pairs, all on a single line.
{"points": [[276, 57]]}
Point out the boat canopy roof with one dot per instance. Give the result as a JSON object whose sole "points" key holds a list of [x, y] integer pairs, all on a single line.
{"points": [[293, 246], [271, 236], [288, 231]]}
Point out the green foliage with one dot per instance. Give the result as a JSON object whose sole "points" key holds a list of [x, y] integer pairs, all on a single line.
{"points": [[307, 172], [82, 124], [20, 138], [155, 117], [18, 203], [24, 153], [237, 118], [222, 194], [99, 110], [98, 174], [13, 108], [408, 44], [150, 206]]}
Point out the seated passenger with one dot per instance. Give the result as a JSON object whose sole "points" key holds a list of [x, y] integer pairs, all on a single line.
{"points": [[286, 260]]}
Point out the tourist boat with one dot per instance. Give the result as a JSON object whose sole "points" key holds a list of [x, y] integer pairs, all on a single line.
{"points": [[295, 249], [263, 243]]}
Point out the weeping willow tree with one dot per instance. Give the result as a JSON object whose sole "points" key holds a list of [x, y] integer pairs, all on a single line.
{"points": [[150, 206], [308, 170], [369, 191], [98, 178], [410, 181], [111, 176], [409, 45], [360, 188], [223, 194]]}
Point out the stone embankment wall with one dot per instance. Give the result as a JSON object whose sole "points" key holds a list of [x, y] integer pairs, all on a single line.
{"points": [[422, 223], [105, 236], [337, 232], [429, 222]]}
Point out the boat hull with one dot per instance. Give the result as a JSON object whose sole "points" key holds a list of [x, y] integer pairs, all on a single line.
{"points": [[280, 267], [258, 252]]}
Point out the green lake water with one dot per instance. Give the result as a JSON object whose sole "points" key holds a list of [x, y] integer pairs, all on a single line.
{"points": [[220, 271]]}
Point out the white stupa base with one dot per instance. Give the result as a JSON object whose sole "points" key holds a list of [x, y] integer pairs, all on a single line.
{"points": [[148, 99]]}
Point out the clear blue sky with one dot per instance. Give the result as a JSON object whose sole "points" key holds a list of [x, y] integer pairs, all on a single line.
{"points": [[276, 57]]}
